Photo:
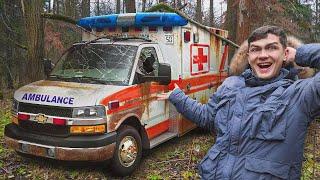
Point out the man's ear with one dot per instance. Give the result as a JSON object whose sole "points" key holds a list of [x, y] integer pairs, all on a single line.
{"points": [[286, 53]]}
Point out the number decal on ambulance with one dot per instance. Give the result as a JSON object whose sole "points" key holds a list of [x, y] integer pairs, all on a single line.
{"points": [[169, 38]]}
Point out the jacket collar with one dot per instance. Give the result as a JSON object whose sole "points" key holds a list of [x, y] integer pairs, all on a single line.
{"points": [[252, 80]]}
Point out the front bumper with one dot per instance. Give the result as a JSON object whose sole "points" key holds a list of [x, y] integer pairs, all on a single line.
{"points": [[72, 148]]}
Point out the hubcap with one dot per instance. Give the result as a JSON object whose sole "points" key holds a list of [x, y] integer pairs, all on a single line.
{"points": [[128, 151]]}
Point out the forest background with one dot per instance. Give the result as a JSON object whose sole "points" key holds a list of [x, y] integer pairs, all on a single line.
{"points": [[34, 30]]}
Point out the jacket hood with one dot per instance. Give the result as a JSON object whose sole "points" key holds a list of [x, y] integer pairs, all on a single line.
{"points": [[66, 94], [239, 62]]}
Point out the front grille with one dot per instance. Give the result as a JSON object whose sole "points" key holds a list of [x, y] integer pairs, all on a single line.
{"points": [[47, 110], [46, 129]]}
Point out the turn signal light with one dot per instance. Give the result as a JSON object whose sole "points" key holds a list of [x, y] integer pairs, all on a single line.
{"points": [[23, 117], [113, 104], [87, 129], [59, 121]]}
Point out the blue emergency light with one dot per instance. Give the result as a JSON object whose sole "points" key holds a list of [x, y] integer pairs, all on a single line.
{"points": [[98, 22], [133, 19]]}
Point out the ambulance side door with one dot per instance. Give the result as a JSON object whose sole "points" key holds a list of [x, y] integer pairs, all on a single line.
{"points": [[154, 116]]}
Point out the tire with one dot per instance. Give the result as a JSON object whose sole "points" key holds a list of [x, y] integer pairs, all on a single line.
{"points": [[124, 163]]}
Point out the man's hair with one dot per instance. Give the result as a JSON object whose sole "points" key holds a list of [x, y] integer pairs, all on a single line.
{"points": [[262, 32]]}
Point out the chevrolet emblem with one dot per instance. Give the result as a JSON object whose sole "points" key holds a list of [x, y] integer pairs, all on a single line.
{"points": [[41, 118]]}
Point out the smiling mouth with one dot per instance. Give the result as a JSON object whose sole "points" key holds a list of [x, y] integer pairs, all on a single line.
{"points": [[265, 66]]}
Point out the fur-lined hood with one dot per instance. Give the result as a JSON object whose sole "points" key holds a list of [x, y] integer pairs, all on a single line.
{"points": [[239, 61]]}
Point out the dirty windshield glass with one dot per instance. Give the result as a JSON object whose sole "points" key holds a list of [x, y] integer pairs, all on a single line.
{"points": [[96, 63]]}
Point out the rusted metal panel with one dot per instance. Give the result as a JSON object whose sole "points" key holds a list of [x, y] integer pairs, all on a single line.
{"points": [[86, 154], [63, 153]]}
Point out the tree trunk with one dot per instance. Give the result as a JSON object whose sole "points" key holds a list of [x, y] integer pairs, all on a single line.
{"points": [[211, 15], [231, 22], [244, 20], [143, 5], [35, 37], [162, 1], [317, 12], [199, 11], [118, 6], [98, 7], [70, 8], [49, 7], [54, 7], [130, 6], [85, 8], [178, 4]]}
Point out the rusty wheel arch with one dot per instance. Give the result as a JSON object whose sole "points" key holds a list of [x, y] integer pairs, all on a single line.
{"points": [[134, 122]]}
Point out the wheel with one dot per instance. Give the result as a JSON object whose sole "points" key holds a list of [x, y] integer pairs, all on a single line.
{"points": [[128, 151]]}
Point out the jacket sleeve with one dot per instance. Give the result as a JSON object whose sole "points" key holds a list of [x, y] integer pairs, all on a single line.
{"points": [[309, 55], [201, 114]]}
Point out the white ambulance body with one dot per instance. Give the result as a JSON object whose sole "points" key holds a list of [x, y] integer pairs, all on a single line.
{"points": [[99, 102]]}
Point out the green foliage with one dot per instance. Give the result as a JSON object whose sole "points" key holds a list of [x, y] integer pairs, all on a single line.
{"points": [[299, 13], [5, 118], [161, 7], [187, 174], [154, 177]]}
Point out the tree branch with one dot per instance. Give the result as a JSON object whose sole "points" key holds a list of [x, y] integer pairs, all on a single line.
{"points": [[165, 8], [59, 18]]}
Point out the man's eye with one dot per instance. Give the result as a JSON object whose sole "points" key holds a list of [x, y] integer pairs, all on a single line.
{"points": [[254, 50], [272, 48]]}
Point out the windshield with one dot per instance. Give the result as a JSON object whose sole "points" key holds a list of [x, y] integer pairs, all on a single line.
{"points": [[96, 63]]}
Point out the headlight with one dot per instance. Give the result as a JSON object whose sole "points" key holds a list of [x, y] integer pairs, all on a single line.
{"points": [[90, 111]]}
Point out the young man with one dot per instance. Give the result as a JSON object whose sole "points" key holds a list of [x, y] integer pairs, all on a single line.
{"points": [[260, 117]]}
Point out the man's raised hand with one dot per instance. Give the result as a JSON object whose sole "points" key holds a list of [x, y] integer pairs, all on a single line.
{"points": [[165, 96]]}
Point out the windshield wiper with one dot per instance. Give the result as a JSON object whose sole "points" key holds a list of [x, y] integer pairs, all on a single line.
{"points": [[93, 79]]}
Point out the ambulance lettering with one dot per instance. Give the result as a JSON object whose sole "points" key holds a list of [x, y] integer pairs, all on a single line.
{"points": [[48, 98], [199, 59]]}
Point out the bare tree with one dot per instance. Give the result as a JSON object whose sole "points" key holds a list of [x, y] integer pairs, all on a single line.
{"points": [[35, 37], [199, 11], [130, 6], [143, 5], [211, 15], [178, 4], [118, 6], [85, 8], [70, 9], [97, 7]]}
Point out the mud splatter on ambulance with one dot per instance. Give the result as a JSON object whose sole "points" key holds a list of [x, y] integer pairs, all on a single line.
{"points": [[99, 102]]}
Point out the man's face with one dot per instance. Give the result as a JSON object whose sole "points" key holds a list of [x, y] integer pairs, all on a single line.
{"points": [[266, 57]]}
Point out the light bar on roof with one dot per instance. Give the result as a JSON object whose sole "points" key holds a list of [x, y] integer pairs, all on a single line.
{"points": [[126, 20], [98, 22], [159, 19], [132, 19]]}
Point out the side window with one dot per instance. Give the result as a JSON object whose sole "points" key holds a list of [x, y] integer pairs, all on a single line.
{"points": [[148, 63]]}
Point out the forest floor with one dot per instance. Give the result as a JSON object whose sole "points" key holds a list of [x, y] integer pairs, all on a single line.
{"points": [[175, 159]]}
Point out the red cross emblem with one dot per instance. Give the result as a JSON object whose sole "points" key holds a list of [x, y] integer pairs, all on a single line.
{"points": [[199, 56], [200, 59]]}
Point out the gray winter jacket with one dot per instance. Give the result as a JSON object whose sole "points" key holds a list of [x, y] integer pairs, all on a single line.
{"points": [[260, 125]]}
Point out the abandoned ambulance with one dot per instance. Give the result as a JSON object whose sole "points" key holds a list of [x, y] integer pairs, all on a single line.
{"points": [[99, 102]]}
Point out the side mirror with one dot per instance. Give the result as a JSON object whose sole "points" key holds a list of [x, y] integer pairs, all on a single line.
{"points": [[164, 73], [48, 66]]}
